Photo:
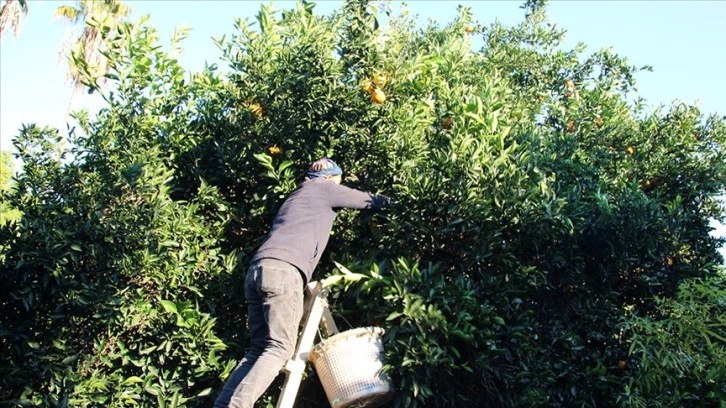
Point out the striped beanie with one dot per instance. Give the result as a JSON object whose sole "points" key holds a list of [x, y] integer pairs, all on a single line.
{"points": [[323, 167]]}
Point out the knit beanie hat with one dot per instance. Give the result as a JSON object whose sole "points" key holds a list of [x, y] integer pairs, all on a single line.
{"points": [[323, 167]]}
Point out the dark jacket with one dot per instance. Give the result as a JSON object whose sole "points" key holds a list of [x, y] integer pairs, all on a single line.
{"points": [[302, 226]]}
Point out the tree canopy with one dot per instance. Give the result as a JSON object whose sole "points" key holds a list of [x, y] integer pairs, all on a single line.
{"points": [[7, 213]]}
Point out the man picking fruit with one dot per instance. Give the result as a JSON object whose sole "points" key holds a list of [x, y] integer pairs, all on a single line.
{"points": [[278, 272]]}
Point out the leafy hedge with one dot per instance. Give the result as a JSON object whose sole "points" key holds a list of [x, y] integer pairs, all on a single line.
{"points": [[549, 243]]}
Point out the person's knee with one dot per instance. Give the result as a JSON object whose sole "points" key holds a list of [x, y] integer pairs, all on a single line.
{"points": [[284, 349], [289, 351]]}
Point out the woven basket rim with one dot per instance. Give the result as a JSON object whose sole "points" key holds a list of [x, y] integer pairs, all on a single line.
{"points": [[320, 348]]}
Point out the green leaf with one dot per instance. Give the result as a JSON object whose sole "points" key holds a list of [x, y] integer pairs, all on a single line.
{"points": [[147, 350], [393, 315], [331, 280], [69, 359], [132, 380], [153, 390], [169, 306]]}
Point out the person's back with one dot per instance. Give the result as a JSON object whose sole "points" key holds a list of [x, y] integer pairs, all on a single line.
{"points": [[301, 229]]}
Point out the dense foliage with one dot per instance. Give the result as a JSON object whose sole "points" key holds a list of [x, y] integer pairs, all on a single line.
{"points": [[7, 213], [548, 243]]}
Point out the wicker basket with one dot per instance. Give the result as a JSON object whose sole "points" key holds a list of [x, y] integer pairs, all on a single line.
{"points": [[349, 366]]}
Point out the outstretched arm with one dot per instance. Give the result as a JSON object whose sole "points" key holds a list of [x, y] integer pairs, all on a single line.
{"points": [[346, 197]]}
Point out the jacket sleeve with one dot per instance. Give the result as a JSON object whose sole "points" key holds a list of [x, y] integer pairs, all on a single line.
{"points": [[346, 197]]}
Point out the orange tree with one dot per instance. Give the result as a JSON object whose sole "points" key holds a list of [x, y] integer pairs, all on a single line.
{"points": [[547, 245]]}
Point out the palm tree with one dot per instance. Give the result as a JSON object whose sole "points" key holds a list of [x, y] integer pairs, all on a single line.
{"points": [[10, 14], [86, 40]]}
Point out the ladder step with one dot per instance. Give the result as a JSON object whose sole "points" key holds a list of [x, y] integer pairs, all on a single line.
{"points": [[294, 365]]}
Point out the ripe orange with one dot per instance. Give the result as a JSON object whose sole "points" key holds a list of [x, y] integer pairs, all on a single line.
{"points": [[469, 29], [629, 150], [447, 123], [255, 108], [274, 150], [378, 96], [570, 125], [651, 184]]}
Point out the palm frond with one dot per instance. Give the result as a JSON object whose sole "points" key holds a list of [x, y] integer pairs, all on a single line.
{"points": [[84, 46], [10, 15], [70, 14]]}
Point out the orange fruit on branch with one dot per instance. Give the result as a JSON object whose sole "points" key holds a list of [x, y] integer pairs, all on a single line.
{"points": [[378, 96], [255, 108], [447, 123], [570, 125]]}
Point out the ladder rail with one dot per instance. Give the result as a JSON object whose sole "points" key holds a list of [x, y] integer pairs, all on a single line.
{"points": [[315, 314]]}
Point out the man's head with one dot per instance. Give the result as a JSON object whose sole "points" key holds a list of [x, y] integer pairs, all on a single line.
{"points": [[325, 168]]}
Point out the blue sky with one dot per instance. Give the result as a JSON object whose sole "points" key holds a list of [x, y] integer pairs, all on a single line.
{"points": [[684, 41]]}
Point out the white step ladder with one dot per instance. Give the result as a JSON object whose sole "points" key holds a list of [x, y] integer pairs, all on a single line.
{"points": [[315, 314]]}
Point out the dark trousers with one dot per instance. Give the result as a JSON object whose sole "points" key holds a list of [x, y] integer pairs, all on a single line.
{"points": [[274, 292]]}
